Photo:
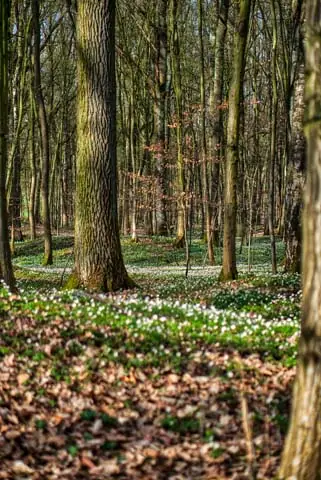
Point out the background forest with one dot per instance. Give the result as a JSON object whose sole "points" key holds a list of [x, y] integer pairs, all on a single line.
{"points": [[174, 73]]}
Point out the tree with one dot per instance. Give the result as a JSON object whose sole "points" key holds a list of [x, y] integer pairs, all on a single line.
{"points": [[160, 68], [296, 180], [204, 159], [6, 271], [177, 86], [44, 130], [273, 121], [229, 271], [216, 100], [98, 259], [296, 167], [302, 452]]}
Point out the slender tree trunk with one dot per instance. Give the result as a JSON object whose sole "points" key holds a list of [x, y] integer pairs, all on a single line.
{"points": [[133, 161], [301, 458], [177, 84], [217, 113], [271, 208], [206, 173], [229, 271], [44, 130], [6, 270], [98, 258], [18, 90], [160, 115], [33, 171], [295, 180]]}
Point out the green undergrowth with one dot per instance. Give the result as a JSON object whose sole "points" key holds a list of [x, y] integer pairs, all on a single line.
{"points": [[166, 321], [135, 329], [147, 252]]}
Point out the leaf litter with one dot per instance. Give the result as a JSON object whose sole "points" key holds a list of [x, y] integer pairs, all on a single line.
{"points": [[90, 389]]}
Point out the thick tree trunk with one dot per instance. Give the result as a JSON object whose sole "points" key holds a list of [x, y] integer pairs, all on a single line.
{"points": [[98, 259], [6, 271], [229, 271], [302, 453]]}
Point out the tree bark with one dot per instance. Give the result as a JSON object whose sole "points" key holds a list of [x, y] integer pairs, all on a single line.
{"points": [[229, 271], [274, 109], [295, 180], [160, 115], [302, 452], [177, 84], [206, 172], [6, 270], [98, 258], [44, 131], [217, 113]]}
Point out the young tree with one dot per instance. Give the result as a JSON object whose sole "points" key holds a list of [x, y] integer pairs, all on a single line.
{"points": [[216, 100], [6, 271], [273, 138], [302, 452], [98, 259], [160, 68], [177, 87], [229, 271], [44, 131], [297, 150]]}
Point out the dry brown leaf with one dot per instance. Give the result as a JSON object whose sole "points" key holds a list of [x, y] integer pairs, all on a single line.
{"points": [[22, 378], [20, 467], [86, 462]]}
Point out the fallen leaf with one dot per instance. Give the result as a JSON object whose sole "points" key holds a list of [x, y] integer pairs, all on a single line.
{"points": [[22, 378]]}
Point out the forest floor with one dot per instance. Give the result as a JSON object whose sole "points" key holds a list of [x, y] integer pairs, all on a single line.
{"points": [[181, 378]]}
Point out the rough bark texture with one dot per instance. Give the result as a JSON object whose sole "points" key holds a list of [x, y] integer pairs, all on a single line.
{"points": [[229, 271], [302, 453], [6, 271], [98, 259]]}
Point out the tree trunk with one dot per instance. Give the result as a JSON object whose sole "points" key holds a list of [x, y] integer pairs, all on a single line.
{"points": [[160, 115], [6, 271], [44, 131], [206, 172], [98, 258], [177, 84], [33, 170], [18, 93], [229, 271], [295, 180], [301, 458], [274, 108], [217, 113]]}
